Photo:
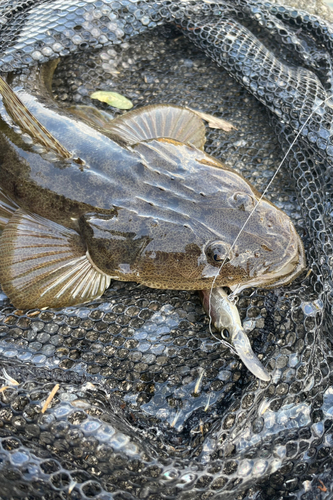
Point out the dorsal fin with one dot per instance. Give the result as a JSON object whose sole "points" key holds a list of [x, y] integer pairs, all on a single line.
{"points": [[91, 115], [159, 121], [27, 122]]}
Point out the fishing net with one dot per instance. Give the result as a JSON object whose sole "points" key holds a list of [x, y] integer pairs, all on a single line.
{"points": [[150, 405]]}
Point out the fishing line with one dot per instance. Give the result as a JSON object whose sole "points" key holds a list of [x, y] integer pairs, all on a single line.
{"points": [[254, 209]]}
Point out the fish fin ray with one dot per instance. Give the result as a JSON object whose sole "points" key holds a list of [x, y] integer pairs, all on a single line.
{"points": [[159, 121], [44, 264], [27, 122], [7, 208], [91, 115]]}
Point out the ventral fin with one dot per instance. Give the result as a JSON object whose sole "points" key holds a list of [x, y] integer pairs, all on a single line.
{"points": [[27, 122], [43, 264], [7, 208], [159, 121]]}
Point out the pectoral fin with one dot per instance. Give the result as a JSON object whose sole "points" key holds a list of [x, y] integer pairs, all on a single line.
{"points": [[7, 209], [27, 122], [43, 264], [159, 121]]}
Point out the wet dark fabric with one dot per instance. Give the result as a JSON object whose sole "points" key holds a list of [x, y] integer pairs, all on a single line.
{"points": [[151, 404]]}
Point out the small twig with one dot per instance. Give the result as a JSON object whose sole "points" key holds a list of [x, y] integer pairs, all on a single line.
{"points": [[322, 487], [50, 397], [198, 384]]}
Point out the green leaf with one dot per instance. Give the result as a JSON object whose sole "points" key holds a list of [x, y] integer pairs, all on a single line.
{"points": [[113, 99]]}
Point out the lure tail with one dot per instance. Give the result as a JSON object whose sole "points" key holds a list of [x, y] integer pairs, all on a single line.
{"points": [[224, 315], [242, 345]]}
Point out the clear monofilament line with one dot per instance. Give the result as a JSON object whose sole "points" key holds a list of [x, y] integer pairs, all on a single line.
{"points": [[256, 206]]}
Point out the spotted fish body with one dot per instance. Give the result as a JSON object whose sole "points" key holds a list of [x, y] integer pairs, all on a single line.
{"points": [[137, 200]]}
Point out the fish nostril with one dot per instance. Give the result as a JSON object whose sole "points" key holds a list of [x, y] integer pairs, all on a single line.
{"points": [[242, 201], [270, 219]]}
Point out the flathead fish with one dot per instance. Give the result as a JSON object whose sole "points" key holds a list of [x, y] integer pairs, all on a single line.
{"points": [[135, 200]]}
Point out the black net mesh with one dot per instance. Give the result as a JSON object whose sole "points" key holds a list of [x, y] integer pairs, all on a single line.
{"points": [[151, 405]]}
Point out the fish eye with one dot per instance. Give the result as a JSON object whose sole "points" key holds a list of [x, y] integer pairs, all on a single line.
{"points": [[218, 252], [242, 201]]}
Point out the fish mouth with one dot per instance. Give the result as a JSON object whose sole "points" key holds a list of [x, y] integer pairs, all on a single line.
{"points": [[285, 274]]}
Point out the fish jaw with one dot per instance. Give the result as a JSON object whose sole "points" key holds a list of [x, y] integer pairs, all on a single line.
{"points": [[284, 275], [299, 265]]}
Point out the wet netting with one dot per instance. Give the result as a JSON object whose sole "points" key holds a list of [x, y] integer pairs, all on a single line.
{"points": [[149, 404]]}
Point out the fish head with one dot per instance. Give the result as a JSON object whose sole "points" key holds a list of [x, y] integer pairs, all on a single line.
{"points": [[259, 245], [184, 247]]}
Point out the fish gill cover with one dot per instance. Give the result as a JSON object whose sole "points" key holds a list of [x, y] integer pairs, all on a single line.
{"points": [[150, 404]]}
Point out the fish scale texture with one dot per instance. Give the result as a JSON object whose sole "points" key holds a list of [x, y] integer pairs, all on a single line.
{"points": [[150, 403]]}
